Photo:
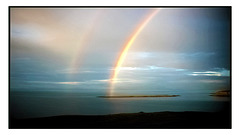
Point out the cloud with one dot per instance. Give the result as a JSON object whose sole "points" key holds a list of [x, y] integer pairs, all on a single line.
{"points": [[206, 73], [74, 71], [46, 43], [211, 73], [152, 67], [212, 81], [71, 83], [197, 60], [103, 81]]}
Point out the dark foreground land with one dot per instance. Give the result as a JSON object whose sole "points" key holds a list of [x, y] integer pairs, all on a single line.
{"points": [[157, 120]]}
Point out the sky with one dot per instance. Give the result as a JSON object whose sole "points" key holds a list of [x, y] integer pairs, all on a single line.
{"points": [[77, 48]]}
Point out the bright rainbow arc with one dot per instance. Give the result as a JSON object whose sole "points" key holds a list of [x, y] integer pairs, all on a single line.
{"points": [[127, 46]]}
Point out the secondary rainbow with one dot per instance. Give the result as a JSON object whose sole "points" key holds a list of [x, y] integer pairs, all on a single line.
{"points": [[127, 46], [86, 37]]}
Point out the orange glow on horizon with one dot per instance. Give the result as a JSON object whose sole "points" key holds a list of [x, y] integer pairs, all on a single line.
{"points": [[127, 46]]}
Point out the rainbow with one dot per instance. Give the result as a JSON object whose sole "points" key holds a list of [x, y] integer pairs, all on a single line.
{"points": [[126, 47], [85, 39]]}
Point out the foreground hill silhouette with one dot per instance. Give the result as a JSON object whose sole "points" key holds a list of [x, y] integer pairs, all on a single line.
{"points": [[158, 120]]}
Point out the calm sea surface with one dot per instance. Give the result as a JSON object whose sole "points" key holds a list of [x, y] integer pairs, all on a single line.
{"points": [[41, 103]]}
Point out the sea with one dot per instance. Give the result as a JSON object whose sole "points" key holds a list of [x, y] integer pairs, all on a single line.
{"points": [[44, 103]]}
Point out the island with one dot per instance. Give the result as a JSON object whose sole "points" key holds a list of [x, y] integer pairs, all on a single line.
{"points": [[137, 96], [221, 93]]}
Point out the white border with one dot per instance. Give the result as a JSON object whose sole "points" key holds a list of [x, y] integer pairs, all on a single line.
{"points": [[4, 63], [119, 2]]}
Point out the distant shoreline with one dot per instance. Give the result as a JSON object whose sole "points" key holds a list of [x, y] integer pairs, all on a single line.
{"points": [[138, 96]]}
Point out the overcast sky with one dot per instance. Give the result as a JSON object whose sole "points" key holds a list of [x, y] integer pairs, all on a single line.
{"points": [[180, 48]]}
